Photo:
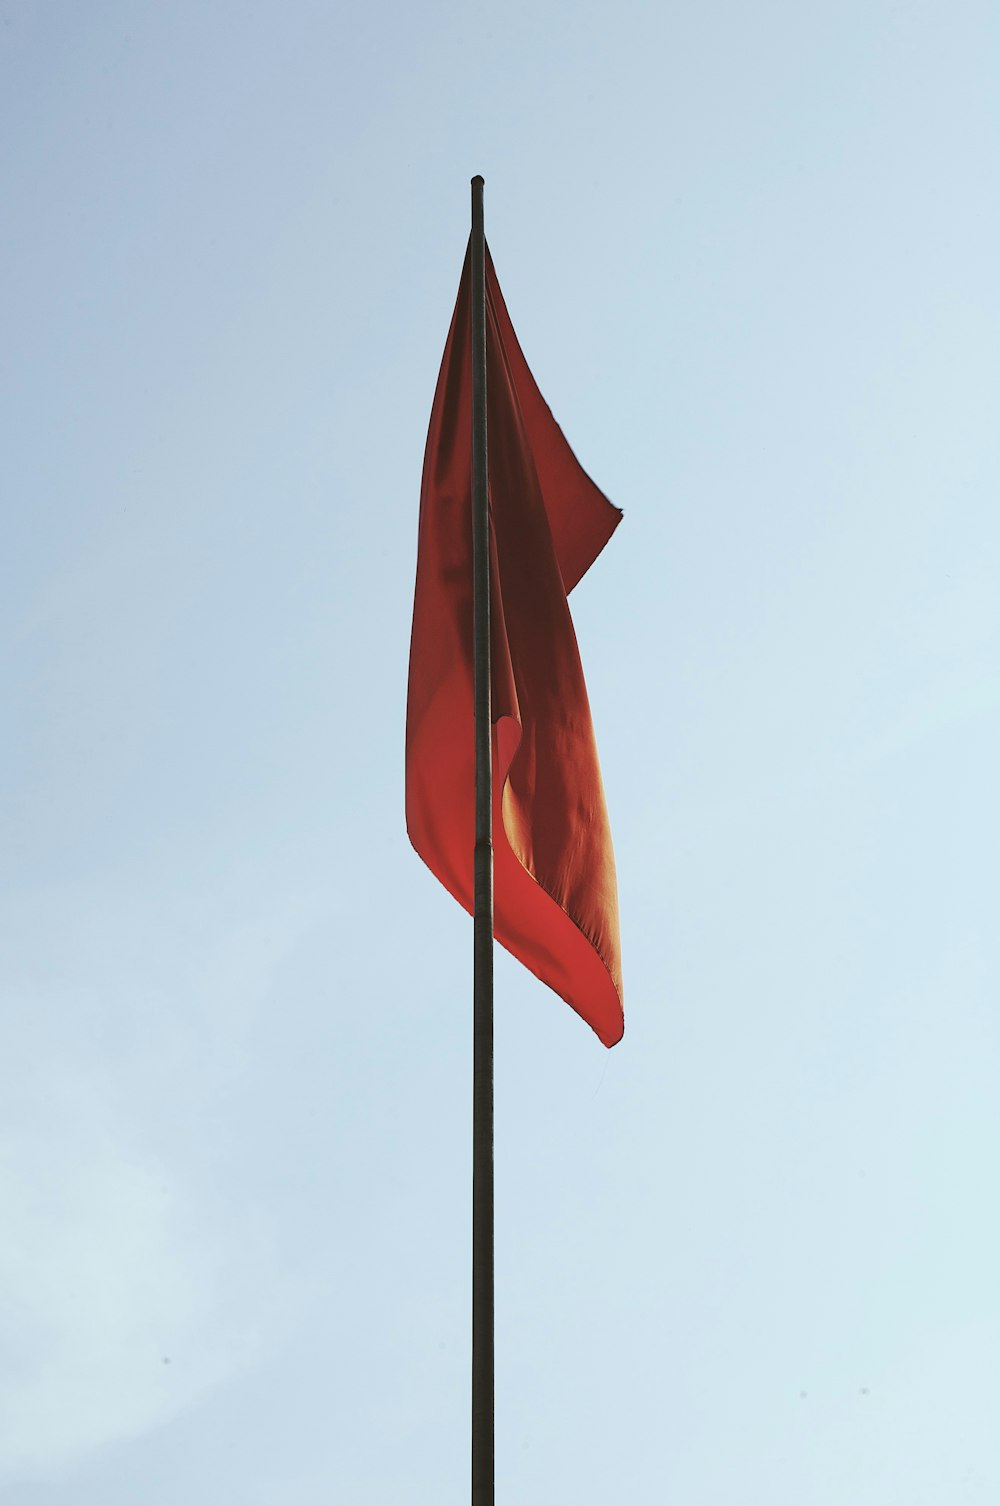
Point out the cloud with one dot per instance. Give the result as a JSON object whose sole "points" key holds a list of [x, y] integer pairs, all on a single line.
{"points": [[112, 1309], [134, 1250]]}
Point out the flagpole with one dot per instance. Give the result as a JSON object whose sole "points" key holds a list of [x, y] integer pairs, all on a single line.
{"points": [[482, 1069]]}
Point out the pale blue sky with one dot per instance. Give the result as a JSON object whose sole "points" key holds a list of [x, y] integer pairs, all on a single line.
{"points": [[748, 1256]]}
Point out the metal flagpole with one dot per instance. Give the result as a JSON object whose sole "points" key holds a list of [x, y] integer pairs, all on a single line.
{"points": [[482, 1070]]}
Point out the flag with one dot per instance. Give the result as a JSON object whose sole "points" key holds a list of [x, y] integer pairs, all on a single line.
{"points": [[555, 890]]}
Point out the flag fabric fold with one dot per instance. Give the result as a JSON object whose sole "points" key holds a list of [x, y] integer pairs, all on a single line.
{"points": [[555, 890]]}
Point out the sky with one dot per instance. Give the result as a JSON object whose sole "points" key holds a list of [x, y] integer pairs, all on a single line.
{"points": [[750, 1254]]}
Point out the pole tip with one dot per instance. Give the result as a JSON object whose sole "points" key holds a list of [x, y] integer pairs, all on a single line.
{"points": [[478, 181]]}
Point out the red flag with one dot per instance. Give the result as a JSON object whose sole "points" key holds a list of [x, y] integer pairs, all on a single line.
{"points": [[555, 892]]}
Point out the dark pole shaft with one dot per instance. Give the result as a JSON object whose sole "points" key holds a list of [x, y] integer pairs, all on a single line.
{"points": [[482, 1069]]}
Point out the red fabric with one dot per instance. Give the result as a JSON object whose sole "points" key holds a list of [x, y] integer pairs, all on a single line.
{"points": [[555, 892]]}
